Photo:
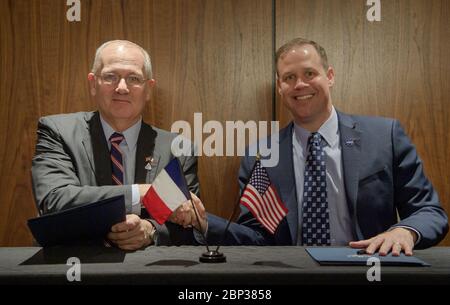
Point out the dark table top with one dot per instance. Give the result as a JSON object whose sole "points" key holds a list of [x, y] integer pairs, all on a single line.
{"points": [[181, 266]]}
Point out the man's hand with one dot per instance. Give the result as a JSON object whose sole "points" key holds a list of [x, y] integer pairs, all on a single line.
{"points": [[395, 241], [185, 216], [132, 234]]}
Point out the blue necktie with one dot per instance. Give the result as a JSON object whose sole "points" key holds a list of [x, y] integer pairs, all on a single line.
{"points": [[316, 220], [116, 158]]}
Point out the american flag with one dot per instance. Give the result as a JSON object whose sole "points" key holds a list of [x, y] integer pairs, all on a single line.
{"points": [[261, 198]]}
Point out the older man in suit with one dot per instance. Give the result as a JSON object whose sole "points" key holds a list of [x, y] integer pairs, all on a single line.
{"points": [[88, 156], [345, 179]]}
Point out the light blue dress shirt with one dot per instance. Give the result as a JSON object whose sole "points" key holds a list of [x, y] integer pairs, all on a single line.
{"points": [[128, 148], [341, 231]]}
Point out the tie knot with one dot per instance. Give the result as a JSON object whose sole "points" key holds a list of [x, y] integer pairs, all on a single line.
{"points": [[116, 138], [315, 139]]}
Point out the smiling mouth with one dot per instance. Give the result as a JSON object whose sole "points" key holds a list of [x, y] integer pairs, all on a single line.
{"points": [[304, 97], [119, 100]]}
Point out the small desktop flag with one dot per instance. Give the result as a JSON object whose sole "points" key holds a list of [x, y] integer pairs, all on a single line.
{"points": [[261, 199], [167, 192]]}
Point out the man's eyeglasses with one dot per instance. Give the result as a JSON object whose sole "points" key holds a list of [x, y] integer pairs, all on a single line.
{"points": [[114, 79]]}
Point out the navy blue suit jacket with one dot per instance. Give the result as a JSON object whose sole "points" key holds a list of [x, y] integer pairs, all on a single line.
{"points": [[383, 175]]}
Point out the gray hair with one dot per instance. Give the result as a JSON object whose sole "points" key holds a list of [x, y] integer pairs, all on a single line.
{"points": [[98, 61]]}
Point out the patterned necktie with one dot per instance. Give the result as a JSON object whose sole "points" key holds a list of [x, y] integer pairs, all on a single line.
{"points": [[316, 220], [116, 158]]}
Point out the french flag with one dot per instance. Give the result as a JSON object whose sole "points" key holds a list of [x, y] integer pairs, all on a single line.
{"points": [[168, 192]]}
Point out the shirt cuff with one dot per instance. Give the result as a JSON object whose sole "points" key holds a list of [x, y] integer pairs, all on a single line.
{"points": [[135, 200]]}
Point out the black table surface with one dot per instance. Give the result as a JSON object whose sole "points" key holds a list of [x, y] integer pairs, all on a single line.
{"points": [[181, 266]]}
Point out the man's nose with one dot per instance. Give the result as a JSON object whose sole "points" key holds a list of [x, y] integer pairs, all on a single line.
{"points": [[122, 87], [300, 84]]}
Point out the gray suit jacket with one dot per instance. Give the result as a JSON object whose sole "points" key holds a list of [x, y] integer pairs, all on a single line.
{"points": [[383, 176], [71, 166]]}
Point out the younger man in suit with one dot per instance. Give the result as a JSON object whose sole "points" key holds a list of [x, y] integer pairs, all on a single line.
{"points": [[343, 178]]}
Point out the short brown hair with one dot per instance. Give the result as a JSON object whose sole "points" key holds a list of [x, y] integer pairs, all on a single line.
{"points": [[297, 42]]}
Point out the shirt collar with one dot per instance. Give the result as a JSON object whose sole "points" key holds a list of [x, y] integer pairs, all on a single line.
{"points": [[329, 131], [131, 134]]}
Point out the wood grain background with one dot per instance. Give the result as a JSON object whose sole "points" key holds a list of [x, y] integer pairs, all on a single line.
{"points": [[215, 57]]}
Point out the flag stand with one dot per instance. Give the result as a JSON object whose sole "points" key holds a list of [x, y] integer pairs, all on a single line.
{"points": [[210, 256], [213, 256]]}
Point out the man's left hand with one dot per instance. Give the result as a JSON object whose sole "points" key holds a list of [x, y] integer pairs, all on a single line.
{"points": [[132, 234], [395, 241]]}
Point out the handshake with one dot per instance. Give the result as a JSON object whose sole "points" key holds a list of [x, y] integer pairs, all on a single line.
{"points": [[185, 215], [135, 233]]}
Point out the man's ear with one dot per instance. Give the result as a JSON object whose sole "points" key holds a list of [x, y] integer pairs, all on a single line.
{"points": [[330, 76], [92, 84], [151, 83], [278, 85]]}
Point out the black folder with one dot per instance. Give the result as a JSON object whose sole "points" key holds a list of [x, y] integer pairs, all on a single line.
{"points": [[87, 222]]}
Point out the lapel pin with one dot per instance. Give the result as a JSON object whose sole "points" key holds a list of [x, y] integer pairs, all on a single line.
{"points": [[149, 161], [351, 142]]}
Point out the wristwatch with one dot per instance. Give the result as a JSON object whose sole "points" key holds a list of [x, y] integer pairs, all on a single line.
{"points": [[152, 235]]}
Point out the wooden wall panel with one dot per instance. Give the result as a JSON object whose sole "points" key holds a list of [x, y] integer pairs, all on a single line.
{"points": [[213, 57], [398, 67], [209, 56]]}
